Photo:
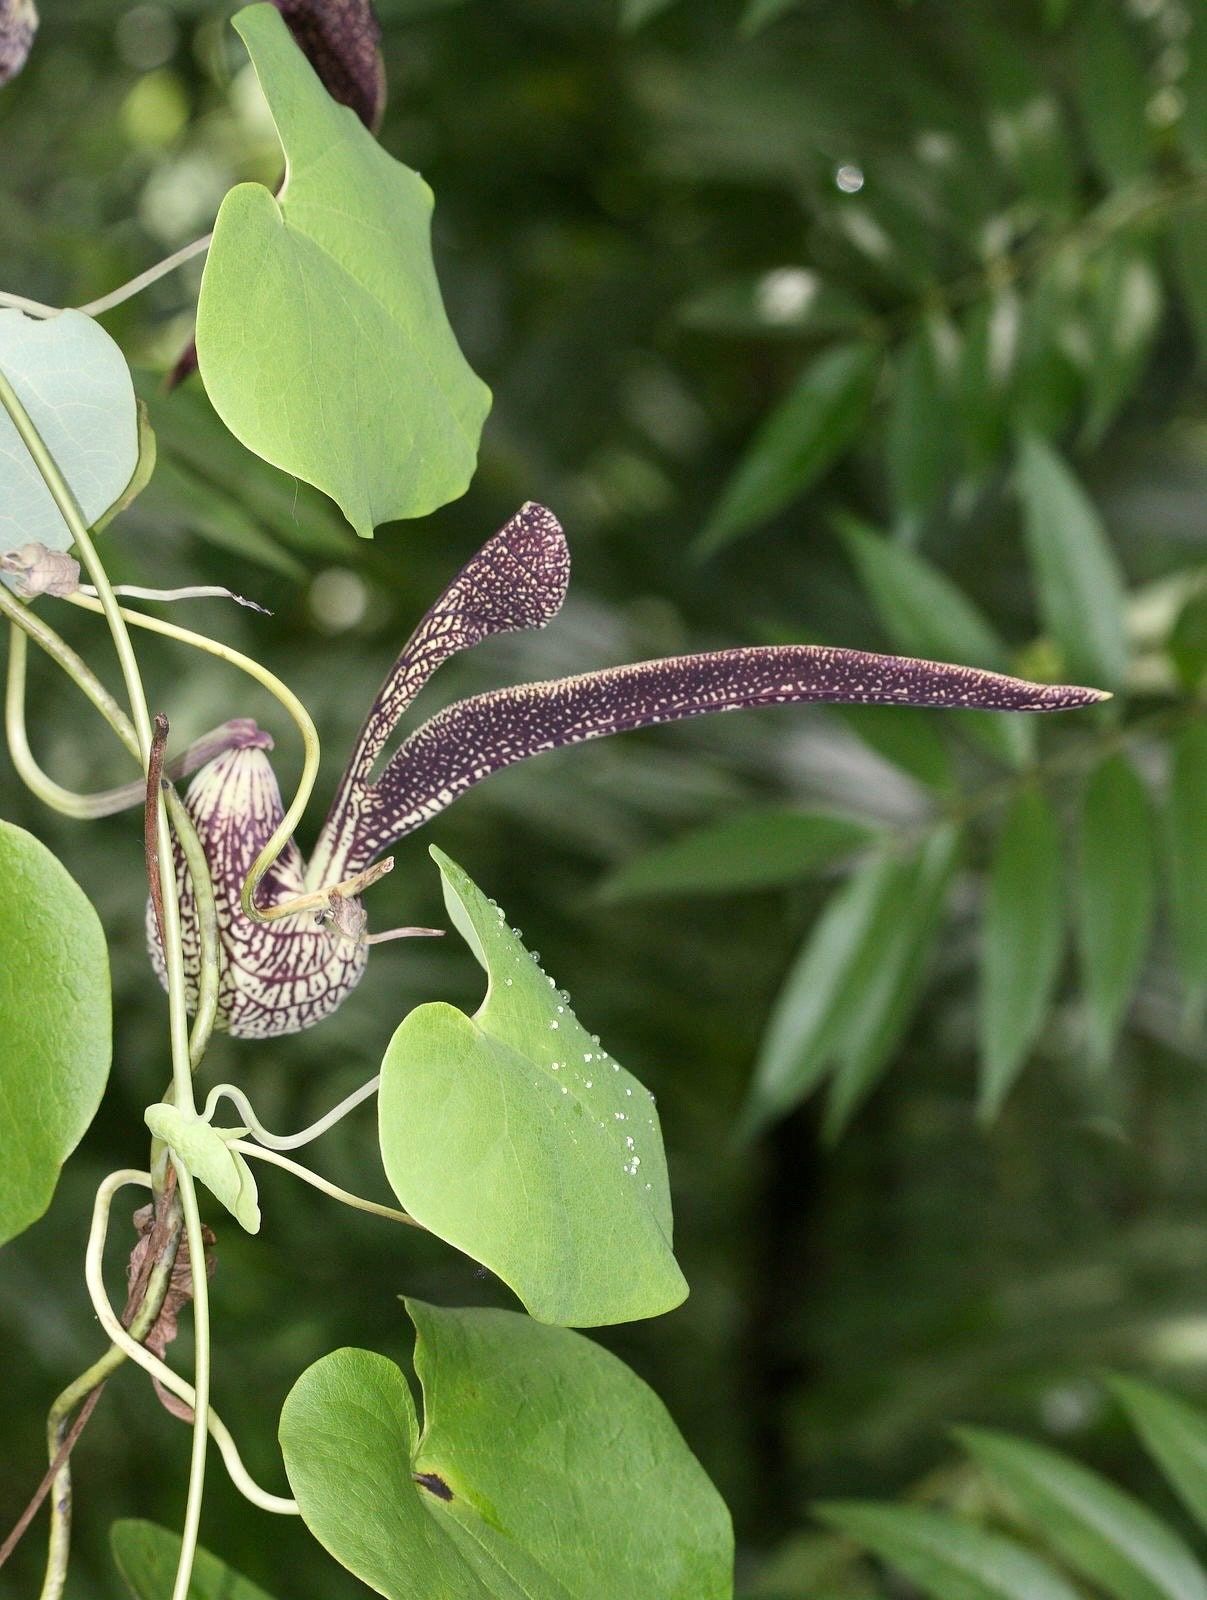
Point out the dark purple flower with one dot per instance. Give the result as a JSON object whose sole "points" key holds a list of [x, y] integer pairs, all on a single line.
{"points": [[283, 976]]}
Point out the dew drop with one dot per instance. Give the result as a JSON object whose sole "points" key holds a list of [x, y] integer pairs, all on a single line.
{"points": [[555, 1023]]}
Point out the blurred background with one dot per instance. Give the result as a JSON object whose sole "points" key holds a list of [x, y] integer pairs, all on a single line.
{"points": [[873, 323]]}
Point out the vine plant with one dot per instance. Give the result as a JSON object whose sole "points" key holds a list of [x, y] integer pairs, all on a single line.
{"points": [[542, 1466]]}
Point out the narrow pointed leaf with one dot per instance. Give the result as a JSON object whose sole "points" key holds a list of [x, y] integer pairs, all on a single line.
{"points": [[1079, 587], [1103, 1534], [947, 1559], [321, 335], [1186, 828], [1023, 940], [905, 738], [1111, 88], [801, 438], [55, 1024], [74, 382], [544, 1470], [1174, 1434], [879, 1021], [922, 435], [1116, 895], [925, 614], [206, 1153], [760, 849], [147, 1556], [635, 13], [818, 997], [473, 738], [514, 1135]]}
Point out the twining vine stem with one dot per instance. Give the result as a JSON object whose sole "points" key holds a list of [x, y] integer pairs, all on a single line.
{"points": [[178, 1022], [124, 291], [172, 1381]]}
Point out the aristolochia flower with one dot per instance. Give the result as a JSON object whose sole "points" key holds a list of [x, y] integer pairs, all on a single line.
{"points": [[279, 977]]}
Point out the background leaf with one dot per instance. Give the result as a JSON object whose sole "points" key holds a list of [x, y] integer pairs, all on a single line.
{"points": [[925, 614], [760, 849], [1105, 1535], [321, 335], [945, 1557], [55, 1024], [1023, 939], [1116, 895], [1175, 1435], [146, 1557], [1187, 865], [797, 443], [1078, 583], [882, 1013], [558, 1176]]}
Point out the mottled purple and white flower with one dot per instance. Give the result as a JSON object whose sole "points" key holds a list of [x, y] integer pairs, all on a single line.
{"points": [[279, 977]]}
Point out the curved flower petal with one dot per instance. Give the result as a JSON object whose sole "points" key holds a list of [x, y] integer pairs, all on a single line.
{"points": [[517, 580], [475, 737]]}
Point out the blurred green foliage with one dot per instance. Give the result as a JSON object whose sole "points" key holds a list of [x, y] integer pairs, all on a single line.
{"points": [[870, 323]]}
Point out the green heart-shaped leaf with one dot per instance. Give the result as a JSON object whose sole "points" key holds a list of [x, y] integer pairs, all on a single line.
{"points": [[55, 1024], [147, 1555], [206, 1153], [544, 1470], [321, 335], [74, 382], [514, 1136]]}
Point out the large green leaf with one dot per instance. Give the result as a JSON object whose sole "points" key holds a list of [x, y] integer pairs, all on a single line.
{"points": [[1187, 836], [147, 1555], [757, 850], [925, 614], [1174, 1434], [545, 1470], [1102, 1533], [74, 382], [321, 336], [797, 442], [55, 1024], [946, 1558], [1078, 584], [516, 1137], [1116, 895], [1023, 941]]}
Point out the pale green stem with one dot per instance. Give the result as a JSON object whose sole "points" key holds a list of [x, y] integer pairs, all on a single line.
{"points": [[127, 291], [35, 308], [288, 1141], [82, 675], [59, 1418], [201, 1381], [72, 804], [172, 1381], [330, 1189], [115, 297], [301, 718], [178, 1019]]}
